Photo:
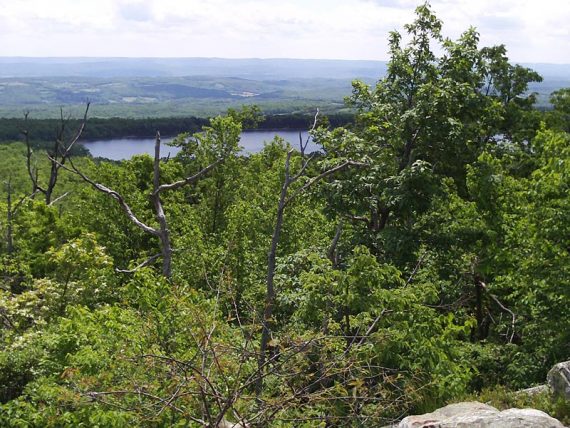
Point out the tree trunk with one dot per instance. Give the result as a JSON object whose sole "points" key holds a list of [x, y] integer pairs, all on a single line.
{"points": [[479, 309], [270, 289], [9, 232], [164, 233]]}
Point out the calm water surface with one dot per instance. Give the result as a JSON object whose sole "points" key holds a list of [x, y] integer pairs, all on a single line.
{"points": [[125, 148]]}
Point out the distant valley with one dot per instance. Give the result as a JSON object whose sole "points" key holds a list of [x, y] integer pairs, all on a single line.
{"points": [[170, 87], [138, 97]]}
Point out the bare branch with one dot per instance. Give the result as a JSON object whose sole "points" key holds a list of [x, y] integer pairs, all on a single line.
{"points": [[325, 174], [303, 168], [156, 164], [78, 133], [59, 198], [503, 307], [416, 268], [332, 253], [31, 172], [22, 200], [115, 195], [302, 146], [270, 289], [146, 263], [95, 395], [188, 180], [372, 327], [161, 232], [57, 156]]}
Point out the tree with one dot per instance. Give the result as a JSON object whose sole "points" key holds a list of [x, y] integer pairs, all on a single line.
{"points": [[162, 232], [286, 199], [57, 156], [561, 102], [428, 118]]}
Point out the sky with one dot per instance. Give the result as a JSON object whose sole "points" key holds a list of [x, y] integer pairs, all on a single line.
{"points": [[533, 30]]}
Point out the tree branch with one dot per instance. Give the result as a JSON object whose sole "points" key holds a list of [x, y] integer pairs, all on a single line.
{"points": [[115, 195], [146, 263], [325, 174], [503, 307], [59, 198], [332, 253], [416, 268], [188, 180], [78, 134]]}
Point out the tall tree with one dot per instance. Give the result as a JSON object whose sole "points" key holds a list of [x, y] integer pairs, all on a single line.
{"points": [[428, 118]]}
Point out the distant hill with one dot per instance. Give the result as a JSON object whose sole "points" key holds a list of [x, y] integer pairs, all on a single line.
{"points": [[256, 69], [162, 87], [253, 68]]}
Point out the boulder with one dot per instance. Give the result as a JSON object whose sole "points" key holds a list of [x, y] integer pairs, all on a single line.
{"points": [[559, 379], [535, 390], [224, 423], [479, 415]]}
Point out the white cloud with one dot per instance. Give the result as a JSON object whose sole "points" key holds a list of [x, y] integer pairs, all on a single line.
{"points": [[138, 11], [356, 29]]}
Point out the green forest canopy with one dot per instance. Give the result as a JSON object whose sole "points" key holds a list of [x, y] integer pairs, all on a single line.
{"points": [[420, 258]]}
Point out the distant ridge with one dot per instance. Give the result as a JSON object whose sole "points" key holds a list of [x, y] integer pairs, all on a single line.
{"points": [[253, 68], [164, 87]]}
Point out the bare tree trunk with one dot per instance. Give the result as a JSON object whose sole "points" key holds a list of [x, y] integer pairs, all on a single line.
{"points": [[217, 205], [9, 232], [332, 254], [164, 233], [270, 290], [59, 155], [479, 309], [33, 173], [284, 200], [54, 168]]}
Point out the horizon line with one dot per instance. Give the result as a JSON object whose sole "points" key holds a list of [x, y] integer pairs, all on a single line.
{"points": [[232, 58]]}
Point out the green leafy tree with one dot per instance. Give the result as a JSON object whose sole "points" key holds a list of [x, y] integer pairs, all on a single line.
{"points": [[430, 117]]}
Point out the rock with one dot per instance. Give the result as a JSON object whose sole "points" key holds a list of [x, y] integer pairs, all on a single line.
{"points": [[526, 418], [559, 379], [224, 423], [446, 412], [478, 415], [535, 390]]}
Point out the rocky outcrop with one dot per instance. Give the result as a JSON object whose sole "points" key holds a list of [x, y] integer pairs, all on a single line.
{"points": [[559, 379], [479, 415], [535, 390]]}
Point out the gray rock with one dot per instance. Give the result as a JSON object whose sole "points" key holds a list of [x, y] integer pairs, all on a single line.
{"points": [[535, 390], [446, 412], [478, 415], [559, 379], [224, 423]]}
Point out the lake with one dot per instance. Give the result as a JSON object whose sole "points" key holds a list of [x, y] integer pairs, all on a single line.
{"points": [[125, 148]]}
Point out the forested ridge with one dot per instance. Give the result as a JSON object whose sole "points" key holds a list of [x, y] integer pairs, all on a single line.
{"points": [[422, 257], [42, 132]]}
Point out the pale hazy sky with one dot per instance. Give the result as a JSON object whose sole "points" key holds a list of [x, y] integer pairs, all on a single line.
{"points": [[533, 30]]}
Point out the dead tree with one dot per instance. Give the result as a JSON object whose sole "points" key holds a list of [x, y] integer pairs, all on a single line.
{"points": [[58, 155], [285, 199], [161, 232], [9, 219]]}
